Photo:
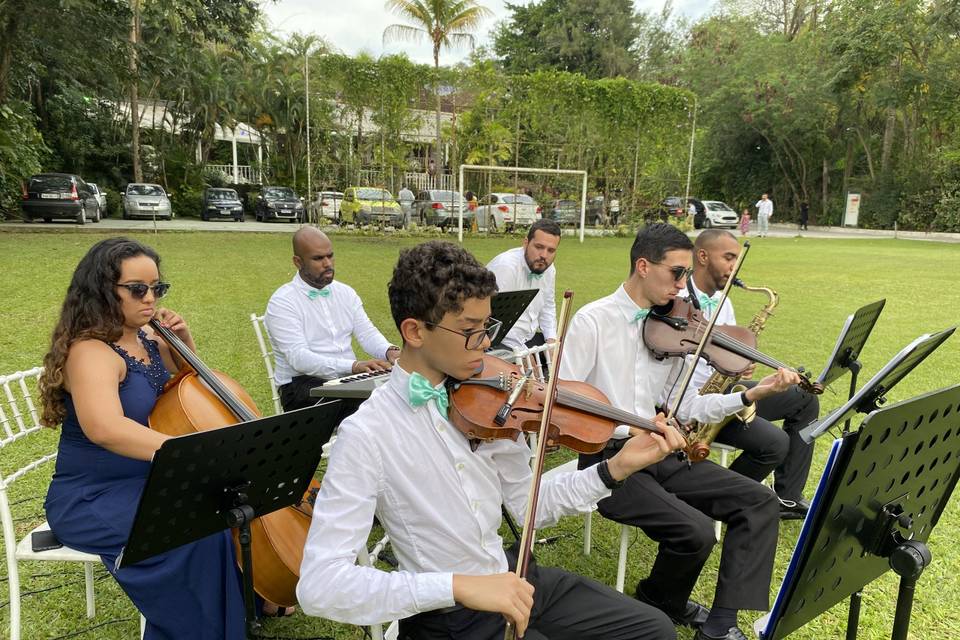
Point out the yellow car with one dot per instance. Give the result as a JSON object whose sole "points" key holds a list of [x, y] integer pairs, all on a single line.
{"points": [[367, 205]]}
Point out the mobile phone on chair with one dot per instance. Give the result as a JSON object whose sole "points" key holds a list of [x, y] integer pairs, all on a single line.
{"points": [[44, 541]]}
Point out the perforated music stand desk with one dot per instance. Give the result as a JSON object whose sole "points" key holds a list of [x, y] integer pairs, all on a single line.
{"points": [[507, 307], [205, 482], [853, 337], [871, 395], [879, 499]]}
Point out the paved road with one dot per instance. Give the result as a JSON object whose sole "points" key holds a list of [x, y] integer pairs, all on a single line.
{"points": [[113, 225]]}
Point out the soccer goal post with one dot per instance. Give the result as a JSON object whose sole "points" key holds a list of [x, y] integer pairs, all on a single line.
{"points": [[485, 167]]}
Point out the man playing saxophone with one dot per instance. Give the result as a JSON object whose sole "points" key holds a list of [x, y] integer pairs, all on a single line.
{"points": [[765, 447]]}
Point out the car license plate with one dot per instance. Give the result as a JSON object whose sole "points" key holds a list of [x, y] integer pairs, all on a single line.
{"points": [[285, 211], [50, 196]]}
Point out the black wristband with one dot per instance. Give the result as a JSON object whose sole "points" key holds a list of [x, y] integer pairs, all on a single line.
{"points": [[743, 399], [603, 470]]}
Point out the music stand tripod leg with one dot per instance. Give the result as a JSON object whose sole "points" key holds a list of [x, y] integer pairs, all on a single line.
{"points": [[239, 517], [908, 560]]}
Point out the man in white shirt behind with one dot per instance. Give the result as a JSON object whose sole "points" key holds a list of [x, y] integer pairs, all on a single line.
{"points": [[438, 494], [530, 266], [764, 213], [311, 321]]}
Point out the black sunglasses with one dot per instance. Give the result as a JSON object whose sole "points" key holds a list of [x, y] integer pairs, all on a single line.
{"points": [[474, 339], [678, 272], [138, 290]]}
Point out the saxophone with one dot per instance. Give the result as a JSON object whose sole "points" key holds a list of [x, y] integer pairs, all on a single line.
{"points": [[700, 436]]}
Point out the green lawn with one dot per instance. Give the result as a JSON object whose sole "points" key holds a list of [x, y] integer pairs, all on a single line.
{"points": [[220, 279]]}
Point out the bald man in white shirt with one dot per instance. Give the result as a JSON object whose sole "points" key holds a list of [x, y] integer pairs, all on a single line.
{"points": [[311, 321]]}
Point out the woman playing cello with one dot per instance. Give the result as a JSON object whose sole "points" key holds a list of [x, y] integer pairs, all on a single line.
{"points": [[102, 376]]}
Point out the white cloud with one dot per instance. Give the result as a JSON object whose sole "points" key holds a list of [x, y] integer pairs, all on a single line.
{"points": [[357, 25]]}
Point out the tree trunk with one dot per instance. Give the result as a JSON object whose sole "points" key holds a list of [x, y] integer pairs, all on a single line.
{"points": [[888, 131], [436, 150], [134, 101], [825, 191]]}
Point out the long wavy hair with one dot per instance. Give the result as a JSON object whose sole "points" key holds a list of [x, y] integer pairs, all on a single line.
{"points": [[92, 310]]}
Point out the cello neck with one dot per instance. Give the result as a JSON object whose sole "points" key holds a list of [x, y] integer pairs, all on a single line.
{"points": [[236, 407]]}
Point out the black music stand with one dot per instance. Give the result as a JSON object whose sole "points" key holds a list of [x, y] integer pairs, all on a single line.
{"points": [[882, 493], [872, 395], [507, 307], [850, 343], [205, 482]]}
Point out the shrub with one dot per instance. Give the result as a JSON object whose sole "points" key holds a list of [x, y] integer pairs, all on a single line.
{"points": [[22, 152]]}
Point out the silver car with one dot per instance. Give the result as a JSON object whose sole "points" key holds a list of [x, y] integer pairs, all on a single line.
{"points": [[142, 200], [101, 198], [440, 208], [326, 206]]}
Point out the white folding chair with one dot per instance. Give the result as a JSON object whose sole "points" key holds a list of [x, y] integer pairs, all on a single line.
{"points": [[19, 421], [266, 352]]}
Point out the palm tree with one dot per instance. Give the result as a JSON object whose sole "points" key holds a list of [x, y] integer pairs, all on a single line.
{"points": [[442, 22]]}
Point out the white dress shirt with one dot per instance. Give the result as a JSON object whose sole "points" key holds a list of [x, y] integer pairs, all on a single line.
{"points": [[311, 335], [513, 274], [438, 501], [604, 346], [765, 207], [724, 316]]}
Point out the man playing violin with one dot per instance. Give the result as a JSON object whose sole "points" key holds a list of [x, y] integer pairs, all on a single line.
{"points": [[674, 503], [311, 320], [765, 447], [531, 267], [439, 495]]}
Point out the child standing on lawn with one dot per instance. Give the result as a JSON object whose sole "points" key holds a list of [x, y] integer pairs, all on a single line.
{"points": [[745, 222]]}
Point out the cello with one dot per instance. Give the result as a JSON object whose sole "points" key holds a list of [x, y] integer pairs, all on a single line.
{"points": [[197, 399]]}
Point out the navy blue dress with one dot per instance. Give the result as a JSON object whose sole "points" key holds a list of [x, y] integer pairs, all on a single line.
{"points": [[189, 593]]}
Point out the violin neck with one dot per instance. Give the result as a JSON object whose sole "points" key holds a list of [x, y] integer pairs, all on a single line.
{"points": [[239, 410], [583, 403], [741, 349]]}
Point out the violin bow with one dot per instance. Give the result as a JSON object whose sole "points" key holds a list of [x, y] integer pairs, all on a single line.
{"points": [[706, 334], [529, 518]]}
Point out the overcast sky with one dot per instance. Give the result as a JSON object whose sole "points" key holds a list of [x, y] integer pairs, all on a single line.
{"points": [[357, 25]]}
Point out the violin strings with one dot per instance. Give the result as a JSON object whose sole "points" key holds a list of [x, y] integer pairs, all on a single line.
{"points": [[724, 340], [577, 401]]}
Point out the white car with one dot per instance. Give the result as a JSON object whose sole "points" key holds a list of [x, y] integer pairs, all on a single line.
{"points": [[718, 214], [326, 205], [101, 198], [506, 211]]}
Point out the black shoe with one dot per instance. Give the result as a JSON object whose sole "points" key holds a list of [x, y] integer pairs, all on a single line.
{"points": [[693, 614], [793, 509], [734, 633]]}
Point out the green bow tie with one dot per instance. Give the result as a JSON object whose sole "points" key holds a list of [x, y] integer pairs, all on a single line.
{"points": [[313, 294], [707, 303], [420, 391], [641, 314], [534, 276]]}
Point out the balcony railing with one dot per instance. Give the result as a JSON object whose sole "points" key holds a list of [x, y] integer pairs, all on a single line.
{"points": [[246, 174]]}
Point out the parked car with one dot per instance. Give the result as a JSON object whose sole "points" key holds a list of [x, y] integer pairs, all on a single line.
{"points": [[671, 207], [101, 198], [221, 203], [565, 212], [440, 208], [279, 203], [142, 200], [506, 211], [59, 195], [714, 214], [596, 211], [366, 205], [326, 205]]}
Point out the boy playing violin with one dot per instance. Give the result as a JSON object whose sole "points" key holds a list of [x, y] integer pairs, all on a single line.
{"points": [[673, 503], [439, 495]]}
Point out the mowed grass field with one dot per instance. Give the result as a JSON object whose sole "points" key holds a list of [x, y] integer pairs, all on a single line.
{"points": [[220, 279]]}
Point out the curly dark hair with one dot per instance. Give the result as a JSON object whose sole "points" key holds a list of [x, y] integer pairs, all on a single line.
{"points": [[435, 277], [91, 310], [655, 240]]}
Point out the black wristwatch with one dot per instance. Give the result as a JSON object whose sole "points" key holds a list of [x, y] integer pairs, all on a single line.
{"points": [[603, 470], [743, 399]]}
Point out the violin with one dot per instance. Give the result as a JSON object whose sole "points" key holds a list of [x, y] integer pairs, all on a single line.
{"points": [[502, 401], [676, 329], [197, 399]]}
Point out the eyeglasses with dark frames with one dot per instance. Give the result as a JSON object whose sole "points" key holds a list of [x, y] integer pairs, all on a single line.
{"points": [[138, 289], [678, 272], [474, 339]]}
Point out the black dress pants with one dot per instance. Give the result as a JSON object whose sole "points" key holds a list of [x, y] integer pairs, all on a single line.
{"points": [[767, 448], [675, 505], [565, 607]]}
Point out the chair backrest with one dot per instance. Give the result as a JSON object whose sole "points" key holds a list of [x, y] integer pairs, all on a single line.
{"points": [[533, 358], [266, 351], [19, 418]]}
